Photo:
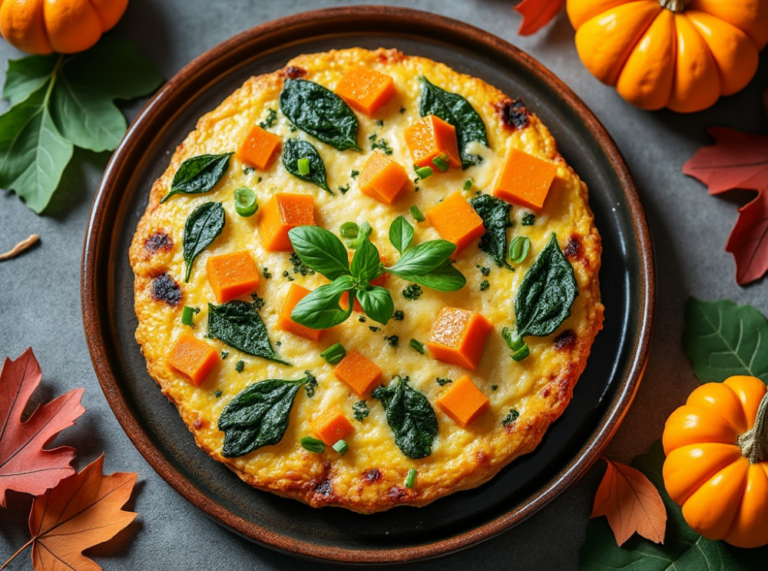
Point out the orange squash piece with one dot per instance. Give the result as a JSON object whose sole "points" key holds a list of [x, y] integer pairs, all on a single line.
{"points": [[258, 148], [431, 137], [284, 321], [283, 212], [463, 402], [380, 281], [382, 178], [359, 373], [456, 221], [193, 358], [458, 337], [232, 275], [524, 179], [331, 425], [365, 89]]}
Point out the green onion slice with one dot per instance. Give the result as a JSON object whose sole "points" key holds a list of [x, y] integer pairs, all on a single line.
{"points": [[303, 167], [245, 202], [513, 341], [411, 479], [341, 447], [441, 163], [521, 353], [416, 213], [334, 353], [423, 172], [468, 183], [519, 248], [349, 230], [188, 314], [417, 346], [312, 444]]}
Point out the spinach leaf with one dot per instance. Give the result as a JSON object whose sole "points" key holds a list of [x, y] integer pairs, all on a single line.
{"points": [[198, 174], [423, 258], [377, 303], [495, 215], [258, 415], [201, 228], [454, 109], [239, 325], [366, 264], [410, 416], [296, 149], [320, 309], [320, 250], [546, 294], [401, 234], [319, 112], [445, 277]]}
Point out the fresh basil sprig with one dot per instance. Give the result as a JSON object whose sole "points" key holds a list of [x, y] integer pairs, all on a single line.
{"points": [[239, 325], [198, 174], [296, 149], [201, 228]]}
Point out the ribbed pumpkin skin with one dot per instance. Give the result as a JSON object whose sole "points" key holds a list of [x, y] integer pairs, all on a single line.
{"points": [[724, 495], [64, 26], [657, 58]]}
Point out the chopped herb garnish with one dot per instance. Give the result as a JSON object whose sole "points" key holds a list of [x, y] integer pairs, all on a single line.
{"points": [[303, 166], [484, 270], [258, 302], [417, 215], [293, 128], [392, 340], [511, 417], [270, 121], [380, 122], [402, 110], [278, 343], [417, 346], [519, 248], [484, 285], [468, 183], [239, 366], [412, 292], [344, 189], [441, 163], [258, 181], [360, 410], [349, 230], [416, 188], [224, 354], [311, 386], [287, 275], [312, 444], [188, 314], [383, 146], [423, 172], [399, 315], [265, 272], [299, 267], [341, 447], [521, 353], [361, 319], [374, 328], [411, 479], [248, 170], [529, 219], [494, 387], [443, 382], [217, 394], [354, 173], [334, 353]]}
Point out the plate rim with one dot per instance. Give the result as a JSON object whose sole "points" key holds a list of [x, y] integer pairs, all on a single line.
{"points": [[91, 298]]}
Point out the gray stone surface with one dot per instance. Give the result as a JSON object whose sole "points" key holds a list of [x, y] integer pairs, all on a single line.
{"points": [[40, 296]]}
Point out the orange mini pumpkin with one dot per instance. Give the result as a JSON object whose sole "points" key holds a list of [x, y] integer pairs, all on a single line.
{"points": [[717, 461], [64, 26], [681, 54]]}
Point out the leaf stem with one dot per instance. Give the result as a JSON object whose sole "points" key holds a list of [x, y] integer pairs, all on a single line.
{"points": [[22, 548], [54, 75]]}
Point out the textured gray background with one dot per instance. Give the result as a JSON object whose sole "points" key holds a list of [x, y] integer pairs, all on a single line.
{"points": [[40, 295]]}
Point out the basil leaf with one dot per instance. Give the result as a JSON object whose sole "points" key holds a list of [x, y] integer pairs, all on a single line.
{"points": [[377, 303], [366, 263], [198, 174], [320, 309], [443, 278], [454, 109], [319, 112], [201, 228], [239, 325], [410, 416], [296, 149], [401, 234], [423, 258], [495, 215], [546, 294], [258, 415], [363, 233], [320, 250]]}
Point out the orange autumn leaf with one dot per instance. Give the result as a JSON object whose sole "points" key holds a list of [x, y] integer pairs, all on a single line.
{"points": [[537, 14], [631, 503]]}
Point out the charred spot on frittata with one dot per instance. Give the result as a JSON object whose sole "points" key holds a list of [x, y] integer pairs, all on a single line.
{"points": [[565, 341], [158, 241], [513, 113], [165, 288], [294, 72]]}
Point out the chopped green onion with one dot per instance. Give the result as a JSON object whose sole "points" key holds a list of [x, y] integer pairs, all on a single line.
{"points": [[441, 163], [521, 353], [416, 213], [411, 479], [513, 341], [417, 346], [303, 167], [245, 202], [349, 230], [188, 314], [511, 417], [334, 353], [423, 172], [312, 444], [468, 183], [519, 248], [341, 447]]}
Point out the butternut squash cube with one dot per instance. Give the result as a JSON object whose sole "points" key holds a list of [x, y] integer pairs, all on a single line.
{"points": [[382, 178], [193, 358], [365, 89], [458, 337], [258, 148], [431, 137], [456, 221], [463, 402], [295, 294], [331, 425], [232, 275], [359, 373], [524, 180], [281, 213]]}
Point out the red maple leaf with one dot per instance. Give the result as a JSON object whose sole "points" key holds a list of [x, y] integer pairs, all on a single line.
{"points": [[537, 14], [25, 466], [739, 160]]}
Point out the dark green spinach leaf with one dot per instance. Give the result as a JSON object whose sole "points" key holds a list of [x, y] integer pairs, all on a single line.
{"points": [[495, 215], [201, 228], [320, 250], [296, 149], [239, 325], [410, 416], [320, 309], [377, 303], [198, 174], [319, 112]]}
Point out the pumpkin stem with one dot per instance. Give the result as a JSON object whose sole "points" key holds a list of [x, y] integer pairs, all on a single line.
{"points": [[675, 6], [754, 444]]}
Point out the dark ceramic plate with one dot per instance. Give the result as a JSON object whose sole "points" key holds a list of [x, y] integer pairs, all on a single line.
{"points": [[571, 445]]}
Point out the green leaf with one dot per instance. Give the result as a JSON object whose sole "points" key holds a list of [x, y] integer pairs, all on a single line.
{"points": [[33, 154], [320, 309], [366, 263], [454, 109], [495, 215], [410, 416], [445, 277], [201, 228], [296, 149], [723, 339], [198, 175], [546, 294], [377, 303], [363, 233], [239, 325], [401, 234], [258, 415], [320, 250], [27, 75], [423, 258], [683, 549]]}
